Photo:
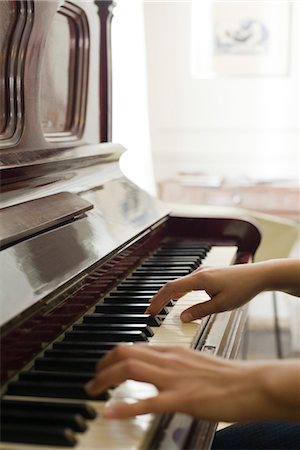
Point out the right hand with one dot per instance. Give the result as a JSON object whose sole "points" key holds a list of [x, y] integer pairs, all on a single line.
{"points": [[228, 288], [207, 387]]}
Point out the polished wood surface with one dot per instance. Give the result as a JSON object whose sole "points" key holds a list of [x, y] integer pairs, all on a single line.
{"points": [[51, 92], [26, 219], [105, 12]]}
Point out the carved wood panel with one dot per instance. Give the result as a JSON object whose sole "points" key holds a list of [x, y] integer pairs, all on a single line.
{"points": [[55, 77], [15, 26], [64, 85]]}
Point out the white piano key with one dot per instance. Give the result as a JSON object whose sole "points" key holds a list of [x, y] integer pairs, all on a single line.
{"points": [[113, 434], [220, 256], [134, 389]]}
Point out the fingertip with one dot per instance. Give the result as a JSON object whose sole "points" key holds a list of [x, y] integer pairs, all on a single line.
{"points": [[110, 412], [90, 388], [120, 411], [150, 311], [186, 317]]}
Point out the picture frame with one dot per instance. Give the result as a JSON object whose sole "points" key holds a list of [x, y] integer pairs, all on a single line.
{"points": [[240, 38]]}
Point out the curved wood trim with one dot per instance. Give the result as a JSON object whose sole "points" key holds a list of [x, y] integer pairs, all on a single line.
{"points": [[232, 231], [15, 74]]}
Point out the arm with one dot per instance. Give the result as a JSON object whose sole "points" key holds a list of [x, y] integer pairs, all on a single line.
{"points": [[230, 287], [206, 387], [282, 275]]}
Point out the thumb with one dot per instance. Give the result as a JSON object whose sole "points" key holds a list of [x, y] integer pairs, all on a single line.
{"points": [[164, 402], [200, 310]]}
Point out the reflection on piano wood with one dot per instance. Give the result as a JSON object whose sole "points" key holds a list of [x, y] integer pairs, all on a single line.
{"points": [[83, 248]]}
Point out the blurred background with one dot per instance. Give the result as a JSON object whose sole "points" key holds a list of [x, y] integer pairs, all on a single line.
{"points": [[206, 100]]}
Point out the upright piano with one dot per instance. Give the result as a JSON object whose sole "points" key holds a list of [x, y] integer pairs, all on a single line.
{"points": [[83, 249]]}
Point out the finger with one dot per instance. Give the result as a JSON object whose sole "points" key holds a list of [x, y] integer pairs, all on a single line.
{"points": [[171, 290], [179, 295], [162, 302], [169, 348], [141, 352], [201, 310], [122, 371], [164, 402]]}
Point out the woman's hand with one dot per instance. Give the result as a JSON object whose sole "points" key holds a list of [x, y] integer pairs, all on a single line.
{"points": [[228, 288], [206, 387]]}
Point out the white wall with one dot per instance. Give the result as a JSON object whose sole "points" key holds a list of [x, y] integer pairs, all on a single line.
{"points": [[226, 126], [129, 86]]}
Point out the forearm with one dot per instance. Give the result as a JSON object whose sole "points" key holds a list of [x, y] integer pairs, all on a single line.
{"points": [[252, 391], [280, 275]]}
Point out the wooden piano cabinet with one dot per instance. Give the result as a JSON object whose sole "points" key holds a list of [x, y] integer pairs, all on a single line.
{"points": [[282, 201]]}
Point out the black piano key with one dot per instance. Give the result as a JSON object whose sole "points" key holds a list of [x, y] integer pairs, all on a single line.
{"points": [[186, 245], [72, 353], [176, 244], [118, 336], [74, 421], [56, 364], [127, 308], [115, 327], [172, 262], [70, 377], [179, 272], [164, 270], [84, 409], [31, 434], [134, 293], [131, 286], [176, 252], [152, 321], [176, 259], [169, 266], [183, 257], [141, 278], [51, 389], [126, 297], [85, 345], [192, 250]]}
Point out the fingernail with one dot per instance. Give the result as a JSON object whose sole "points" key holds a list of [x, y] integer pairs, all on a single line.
{"points": [[109, 411], [186, 317]]}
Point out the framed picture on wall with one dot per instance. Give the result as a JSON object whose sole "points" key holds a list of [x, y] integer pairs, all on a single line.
{"points": [[240, 38]]}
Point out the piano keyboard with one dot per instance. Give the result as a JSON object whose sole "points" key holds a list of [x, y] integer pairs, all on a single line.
{"points": [[43, 405]]}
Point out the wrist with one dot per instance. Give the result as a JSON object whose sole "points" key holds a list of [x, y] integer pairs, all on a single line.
{"points": [[279, 274], [280, 385]]}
